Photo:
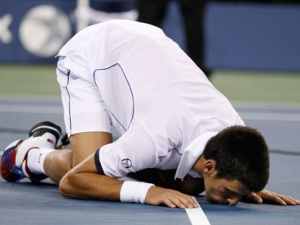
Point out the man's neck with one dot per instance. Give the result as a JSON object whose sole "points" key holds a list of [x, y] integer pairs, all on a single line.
{"points": [[198, 166]]}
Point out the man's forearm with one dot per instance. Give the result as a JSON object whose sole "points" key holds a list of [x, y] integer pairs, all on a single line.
{"points": [[90, 186]]}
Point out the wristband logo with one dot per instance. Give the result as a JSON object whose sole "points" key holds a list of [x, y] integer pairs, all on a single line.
{"points": [[126, 163]]}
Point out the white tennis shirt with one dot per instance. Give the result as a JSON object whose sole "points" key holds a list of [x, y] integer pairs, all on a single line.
{"points": [[162, 104]]}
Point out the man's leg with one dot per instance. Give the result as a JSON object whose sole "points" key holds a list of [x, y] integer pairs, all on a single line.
{"points": [[59, 162], [24, 158], [152, 11], [36, 156], [86, 119], [193, 12]]}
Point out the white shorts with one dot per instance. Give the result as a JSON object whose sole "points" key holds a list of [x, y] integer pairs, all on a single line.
{"points": [[84, 109]]}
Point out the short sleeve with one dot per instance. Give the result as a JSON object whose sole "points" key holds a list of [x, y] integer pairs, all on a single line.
{"points": [[133, 151]]}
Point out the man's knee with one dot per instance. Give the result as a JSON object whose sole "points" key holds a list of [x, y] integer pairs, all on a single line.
{"points": [[85, 144]]}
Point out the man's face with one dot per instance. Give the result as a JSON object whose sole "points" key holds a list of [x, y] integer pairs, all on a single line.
{"points": [[222, 191]]}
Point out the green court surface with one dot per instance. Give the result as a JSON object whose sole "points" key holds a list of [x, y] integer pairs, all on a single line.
{"points": [[29, 79], [259, 86], [246, 86]]}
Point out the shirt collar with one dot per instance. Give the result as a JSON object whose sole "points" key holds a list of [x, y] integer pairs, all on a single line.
{"points": [[192, 152]]}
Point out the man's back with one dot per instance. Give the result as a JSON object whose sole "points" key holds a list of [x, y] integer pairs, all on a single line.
{"points": [[152, 90]]}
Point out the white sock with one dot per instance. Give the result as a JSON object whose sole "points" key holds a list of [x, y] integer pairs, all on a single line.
{"points": [[36, 158]]}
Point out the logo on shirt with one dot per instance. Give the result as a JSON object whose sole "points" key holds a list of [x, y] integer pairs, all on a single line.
{"points": [[126, 163]]}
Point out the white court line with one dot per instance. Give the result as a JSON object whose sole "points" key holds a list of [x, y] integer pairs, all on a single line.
{"points": [[31, 109], [197, 216], [270, 116], [294, 117], [23, 106]]}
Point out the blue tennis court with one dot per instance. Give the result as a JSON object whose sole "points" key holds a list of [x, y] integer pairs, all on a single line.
{"points": [[26, 203]]}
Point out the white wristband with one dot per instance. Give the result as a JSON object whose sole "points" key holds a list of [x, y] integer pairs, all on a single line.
{"points": [[133, 191]]}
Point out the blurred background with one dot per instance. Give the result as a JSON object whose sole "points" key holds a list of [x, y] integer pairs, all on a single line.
{"points": [[250, 49]]}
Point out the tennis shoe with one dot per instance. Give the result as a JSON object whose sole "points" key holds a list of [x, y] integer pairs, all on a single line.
{"points": [[65, 143], [14, 159]]}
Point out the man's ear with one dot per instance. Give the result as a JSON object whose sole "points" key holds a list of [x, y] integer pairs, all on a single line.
{"points": [[209, 167]]}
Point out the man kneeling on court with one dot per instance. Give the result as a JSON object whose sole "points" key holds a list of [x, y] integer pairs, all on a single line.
{"points": [[179, 135]]}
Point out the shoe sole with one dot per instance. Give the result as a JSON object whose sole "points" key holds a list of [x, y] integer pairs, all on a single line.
{"points": [[51, 127]]}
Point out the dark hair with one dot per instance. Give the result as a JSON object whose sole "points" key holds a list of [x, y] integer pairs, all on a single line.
{"points": [[240, 153]]}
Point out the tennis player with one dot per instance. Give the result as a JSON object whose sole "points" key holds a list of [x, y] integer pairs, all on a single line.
{"points": [[178, 134]]}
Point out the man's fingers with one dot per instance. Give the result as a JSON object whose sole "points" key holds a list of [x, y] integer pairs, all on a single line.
{"points": [[181, 201], [253, 197], [292, 201], [176, 202], [171, 198], [169, 203], [276, 199], [286, 200], [273, 197], [256, 198]]}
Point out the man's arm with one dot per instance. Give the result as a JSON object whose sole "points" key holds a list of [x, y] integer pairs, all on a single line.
{"points": [[270, 197], [84, 182], [165, 178]]}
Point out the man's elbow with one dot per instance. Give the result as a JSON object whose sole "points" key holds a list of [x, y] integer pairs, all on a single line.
{"points": [[66, 186]]}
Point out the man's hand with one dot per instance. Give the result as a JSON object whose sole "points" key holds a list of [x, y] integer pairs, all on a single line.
{"points": [[158, 195], [270, 197]]}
